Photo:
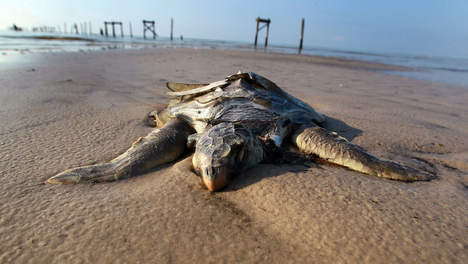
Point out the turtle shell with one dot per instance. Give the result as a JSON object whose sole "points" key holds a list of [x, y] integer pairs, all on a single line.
{"points": [[244, 98]]}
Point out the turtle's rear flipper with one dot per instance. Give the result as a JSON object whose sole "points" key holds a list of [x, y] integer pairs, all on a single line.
{"points": [[158, 147], [335, 149]]}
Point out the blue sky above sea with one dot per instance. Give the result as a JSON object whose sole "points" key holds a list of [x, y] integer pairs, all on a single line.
{"points": [[429, 28]]}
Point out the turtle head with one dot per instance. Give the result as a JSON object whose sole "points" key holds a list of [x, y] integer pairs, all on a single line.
{"points": [[223, 151]]}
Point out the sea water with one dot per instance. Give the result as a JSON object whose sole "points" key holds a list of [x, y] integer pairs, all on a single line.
{"points": [[426, 67]]}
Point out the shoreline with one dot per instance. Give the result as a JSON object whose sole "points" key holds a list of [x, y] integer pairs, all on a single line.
{"points": [[81, 108], [304, 58], [429, 68], [49, 37], [417, 66]]}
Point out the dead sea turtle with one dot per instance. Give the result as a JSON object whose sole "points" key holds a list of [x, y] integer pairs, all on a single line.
{"points": [[233, 125]]}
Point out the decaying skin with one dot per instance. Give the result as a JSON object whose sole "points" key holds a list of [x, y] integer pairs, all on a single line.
{"points": [[233, 124]]}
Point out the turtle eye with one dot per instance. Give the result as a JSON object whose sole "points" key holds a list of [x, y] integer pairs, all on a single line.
{"points": [[208, 172]]}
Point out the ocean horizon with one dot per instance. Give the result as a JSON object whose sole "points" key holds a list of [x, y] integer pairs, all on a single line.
{"points": [[425, 67]]}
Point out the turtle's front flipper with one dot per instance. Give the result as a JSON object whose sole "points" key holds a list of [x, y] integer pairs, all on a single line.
{"points": [[335, 149], [158, 147]]}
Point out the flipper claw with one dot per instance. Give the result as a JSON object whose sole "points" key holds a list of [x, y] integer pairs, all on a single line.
{"points": [[92, 173]]}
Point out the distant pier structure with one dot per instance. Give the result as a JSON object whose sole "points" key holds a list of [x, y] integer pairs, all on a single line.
{"points": [[266, 23], [149, 25], [113, 24]]}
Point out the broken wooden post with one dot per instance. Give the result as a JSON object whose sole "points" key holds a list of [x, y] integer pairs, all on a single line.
{"points": [[266, 23], [150, 26], [302, 35], [172, 27]]}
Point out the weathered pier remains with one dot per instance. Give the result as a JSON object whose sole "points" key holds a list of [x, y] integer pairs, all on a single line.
{"points": [[149, 25], [113, 24], [266, 23]]}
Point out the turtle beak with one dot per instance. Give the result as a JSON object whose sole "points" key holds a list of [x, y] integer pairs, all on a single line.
{"points": [[214, 178]]}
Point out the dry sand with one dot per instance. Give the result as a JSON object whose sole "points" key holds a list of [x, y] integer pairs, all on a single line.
{"points": [[65, 110]]}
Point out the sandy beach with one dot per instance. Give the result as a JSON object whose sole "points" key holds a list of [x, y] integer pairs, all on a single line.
{"points": [[59, 111]]}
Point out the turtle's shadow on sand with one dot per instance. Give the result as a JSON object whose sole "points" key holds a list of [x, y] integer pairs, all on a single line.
{"points": [[340, 127], [263, 171]]}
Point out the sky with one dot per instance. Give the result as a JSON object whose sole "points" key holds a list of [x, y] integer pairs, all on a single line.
{"points": [[431, 27]]}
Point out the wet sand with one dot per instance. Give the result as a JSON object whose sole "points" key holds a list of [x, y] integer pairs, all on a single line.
{"points": [[65, 110]]}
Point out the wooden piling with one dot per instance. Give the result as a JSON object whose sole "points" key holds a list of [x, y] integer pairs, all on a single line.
{"points": [[113, 30], [302, 35], [65, 28], [105, 26], [121, 29], [130, 29], [256, 32], [90, 29], [172, 27]]}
